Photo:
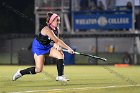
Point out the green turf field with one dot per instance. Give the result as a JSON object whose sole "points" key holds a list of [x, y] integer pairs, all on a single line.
{"points": [[83, 79]]}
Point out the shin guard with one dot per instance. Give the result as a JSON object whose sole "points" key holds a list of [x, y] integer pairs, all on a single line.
{"points": [[60, 67], [30, 70]]}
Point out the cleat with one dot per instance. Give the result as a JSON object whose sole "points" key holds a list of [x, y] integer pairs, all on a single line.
{"points": [[16, 75], [61, 78]]}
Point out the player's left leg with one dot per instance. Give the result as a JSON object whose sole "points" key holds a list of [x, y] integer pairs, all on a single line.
{"points": [[20, 73], [39, 62]]}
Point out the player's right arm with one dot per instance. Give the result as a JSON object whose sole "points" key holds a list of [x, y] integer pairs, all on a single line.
{"points": [[50, 33]]}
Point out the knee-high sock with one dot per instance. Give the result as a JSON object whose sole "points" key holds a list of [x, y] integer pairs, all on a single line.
{"points": [[60, 67], [30, 70]]}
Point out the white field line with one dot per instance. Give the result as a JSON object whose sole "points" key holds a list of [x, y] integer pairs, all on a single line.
{"points": [[83, 88]]}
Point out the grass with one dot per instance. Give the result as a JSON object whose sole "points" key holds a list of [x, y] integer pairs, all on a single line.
{"points": [[83, 79]]}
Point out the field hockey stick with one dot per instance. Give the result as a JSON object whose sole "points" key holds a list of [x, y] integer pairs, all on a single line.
{"points": [[84, 54]]}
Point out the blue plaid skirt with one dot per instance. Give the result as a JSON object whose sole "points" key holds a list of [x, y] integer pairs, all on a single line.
{"points": [[40, 49]]}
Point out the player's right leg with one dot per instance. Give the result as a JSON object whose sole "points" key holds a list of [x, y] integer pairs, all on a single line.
{"points": [[39, 62], [60, 64]]}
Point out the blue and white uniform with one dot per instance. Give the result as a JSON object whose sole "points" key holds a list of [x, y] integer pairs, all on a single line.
{"points": [[42, 43]]}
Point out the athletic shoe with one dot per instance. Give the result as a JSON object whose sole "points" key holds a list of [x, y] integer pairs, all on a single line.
{"points": [[61, 78], [17, 75]]}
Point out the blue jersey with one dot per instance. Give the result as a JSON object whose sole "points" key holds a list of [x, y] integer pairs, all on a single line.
{"points": [[42, 44]]}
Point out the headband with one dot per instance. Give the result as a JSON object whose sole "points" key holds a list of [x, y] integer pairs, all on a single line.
{"points": [[52, 18]]}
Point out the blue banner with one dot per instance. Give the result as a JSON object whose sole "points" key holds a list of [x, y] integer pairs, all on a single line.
{"points": [[103, 21]]}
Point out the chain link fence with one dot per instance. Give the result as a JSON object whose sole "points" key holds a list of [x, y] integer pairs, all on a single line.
{"points": [[17, 50]]}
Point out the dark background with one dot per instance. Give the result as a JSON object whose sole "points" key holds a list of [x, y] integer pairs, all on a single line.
{"points": [[17, 16]]}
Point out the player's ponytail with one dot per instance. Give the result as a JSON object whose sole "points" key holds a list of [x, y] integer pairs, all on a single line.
{"points": [[49, 14]]}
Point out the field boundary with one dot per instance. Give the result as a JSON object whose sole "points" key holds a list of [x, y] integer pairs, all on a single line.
{"points": [[83, 88]]}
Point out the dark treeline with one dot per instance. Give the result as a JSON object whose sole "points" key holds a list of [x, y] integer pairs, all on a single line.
{"points": [[16, 16]]}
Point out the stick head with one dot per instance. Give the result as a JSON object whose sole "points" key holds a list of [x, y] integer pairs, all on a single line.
{"points": [[104, 59]]}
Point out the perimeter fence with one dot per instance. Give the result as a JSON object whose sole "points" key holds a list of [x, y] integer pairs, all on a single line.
{"points": [[15, 49]]}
